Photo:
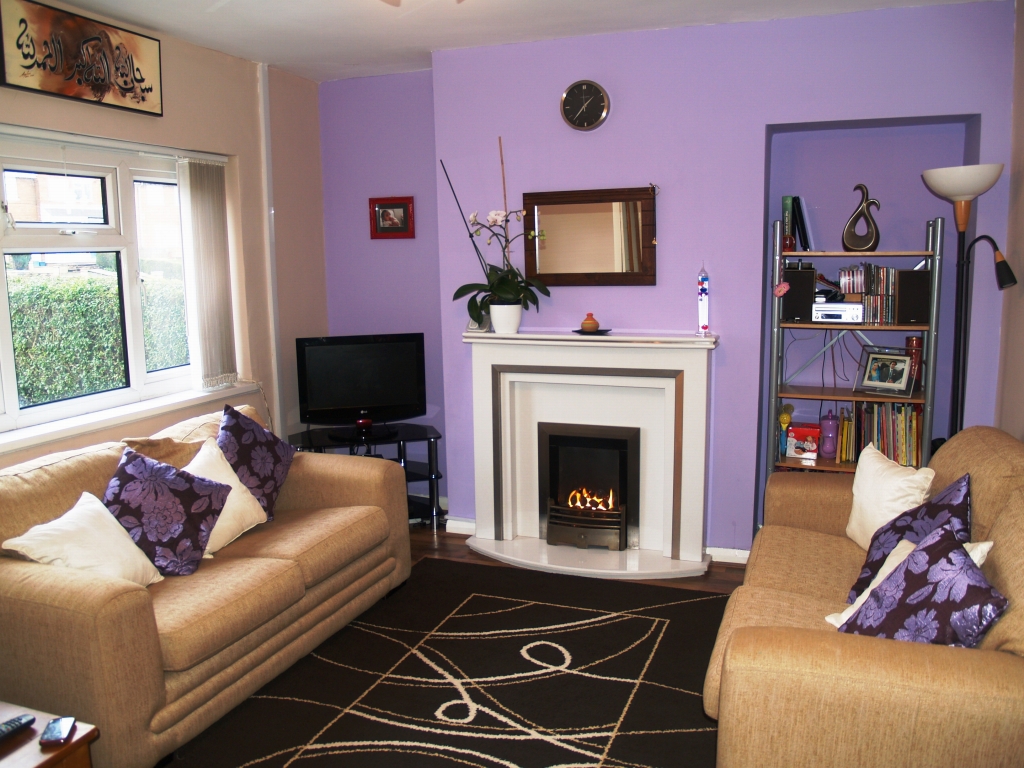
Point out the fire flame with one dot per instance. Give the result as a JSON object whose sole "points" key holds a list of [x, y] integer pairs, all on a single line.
{"points": [[584, 499]]}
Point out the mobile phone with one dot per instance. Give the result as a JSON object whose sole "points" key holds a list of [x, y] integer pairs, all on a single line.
{"points": [[57, 731]]}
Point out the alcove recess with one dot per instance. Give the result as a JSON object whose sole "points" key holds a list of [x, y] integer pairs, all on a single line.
{"points": [[821, 162]]}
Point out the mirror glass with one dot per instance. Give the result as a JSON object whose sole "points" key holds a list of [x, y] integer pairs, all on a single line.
{"points": [[591, 237]]}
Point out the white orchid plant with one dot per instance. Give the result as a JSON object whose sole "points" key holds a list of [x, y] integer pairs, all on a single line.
{"points": [[505, 284]]}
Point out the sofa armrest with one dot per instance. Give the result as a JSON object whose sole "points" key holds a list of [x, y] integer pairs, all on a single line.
{"points": [[80, 644], [798, 697], [815, 501], [320, 480]]}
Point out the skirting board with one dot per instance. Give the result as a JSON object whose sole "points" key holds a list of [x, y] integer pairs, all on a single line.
{"points": [[463, 526], [722, 555]]}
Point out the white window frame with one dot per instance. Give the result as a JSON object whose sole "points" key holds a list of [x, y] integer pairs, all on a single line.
{"points": [[121, 169]]}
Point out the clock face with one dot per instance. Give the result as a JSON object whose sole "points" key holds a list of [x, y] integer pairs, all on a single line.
{"points": [[585, 105]]}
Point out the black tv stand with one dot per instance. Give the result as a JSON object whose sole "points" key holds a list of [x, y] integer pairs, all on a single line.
{"points": [[319, 439], [375, 435]]}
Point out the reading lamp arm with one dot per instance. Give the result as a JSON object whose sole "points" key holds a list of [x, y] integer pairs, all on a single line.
{"points": [[1004, 275]]}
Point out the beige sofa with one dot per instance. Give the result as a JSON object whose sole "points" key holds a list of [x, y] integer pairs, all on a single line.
{"points": [[152, 667], [789, 690]]}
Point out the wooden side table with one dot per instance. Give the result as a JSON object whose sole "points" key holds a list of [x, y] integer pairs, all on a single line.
{"points": [[22, 750]]}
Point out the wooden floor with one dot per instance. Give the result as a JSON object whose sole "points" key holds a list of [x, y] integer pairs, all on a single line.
{"points": [[721, 578]]}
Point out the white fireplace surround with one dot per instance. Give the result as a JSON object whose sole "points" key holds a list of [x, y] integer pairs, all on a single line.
{"points": [[658, 383]]}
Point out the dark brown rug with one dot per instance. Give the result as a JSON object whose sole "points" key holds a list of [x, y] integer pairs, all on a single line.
{"points": [[476, 665]]}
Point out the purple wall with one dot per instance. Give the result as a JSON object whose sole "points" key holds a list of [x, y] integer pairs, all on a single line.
{"points": [[373, 148], [823, 166], [689, 111]]}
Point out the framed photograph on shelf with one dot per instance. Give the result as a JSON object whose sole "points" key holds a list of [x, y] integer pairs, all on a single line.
{"points": [[886, 371], [391, 218]]}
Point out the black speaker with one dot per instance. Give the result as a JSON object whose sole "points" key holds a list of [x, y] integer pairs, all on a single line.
{"points": [[913, 296], [798, 301]]}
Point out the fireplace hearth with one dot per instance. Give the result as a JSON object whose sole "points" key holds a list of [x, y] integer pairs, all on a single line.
{"points": [[589, 483]]}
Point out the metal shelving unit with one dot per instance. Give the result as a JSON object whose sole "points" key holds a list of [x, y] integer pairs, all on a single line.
{"points": [[780, 389]]}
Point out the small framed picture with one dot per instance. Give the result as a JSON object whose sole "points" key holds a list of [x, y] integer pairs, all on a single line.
{"points": [[886, 370], [391, 218]]}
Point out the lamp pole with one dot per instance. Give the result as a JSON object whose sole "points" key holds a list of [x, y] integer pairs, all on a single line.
{"points": [[962, 322], [960, 185]]}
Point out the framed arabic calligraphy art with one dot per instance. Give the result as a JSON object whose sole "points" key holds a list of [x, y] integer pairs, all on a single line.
{"points": [[391, 218], [63, 54]]}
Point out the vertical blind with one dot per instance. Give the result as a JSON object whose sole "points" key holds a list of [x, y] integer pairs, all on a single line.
{"points": [[205, 237]]}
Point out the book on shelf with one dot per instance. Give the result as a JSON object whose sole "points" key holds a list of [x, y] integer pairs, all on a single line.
{"points": [[800, 204], [787, 215], [800, 225], [893, 428]]}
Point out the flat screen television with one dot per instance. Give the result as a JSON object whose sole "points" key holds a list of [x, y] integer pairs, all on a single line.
{"points": [[345, 378]]}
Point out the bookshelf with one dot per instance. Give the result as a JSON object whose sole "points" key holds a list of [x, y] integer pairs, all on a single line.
{"points": [[781, 336]]}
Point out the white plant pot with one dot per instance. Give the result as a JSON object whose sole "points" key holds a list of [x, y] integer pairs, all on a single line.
{"points": [[505, 318]]}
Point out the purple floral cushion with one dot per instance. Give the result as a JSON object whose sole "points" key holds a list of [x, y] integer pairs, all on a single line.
{"points": [[937, 595], [168, 512], [260, 458], [951, 507]]}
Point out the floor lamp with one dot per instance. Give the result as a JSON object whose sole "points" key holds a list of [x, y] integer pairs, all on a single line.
{"points": [[961, 184]]}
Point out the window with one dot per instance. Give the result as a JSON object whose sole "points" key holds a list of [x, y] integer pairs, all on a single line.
{"points": [[162, 274], [93, 300], [52, 198], [67, 325]]}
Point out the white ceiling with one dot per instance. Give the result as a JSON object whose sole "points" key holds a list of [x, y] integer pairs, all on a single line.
{"points": [[333, 39]]}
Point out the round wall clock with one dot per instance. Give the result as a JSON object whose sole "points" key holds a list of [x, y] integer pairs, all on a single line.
{"points": [[585, 105]]}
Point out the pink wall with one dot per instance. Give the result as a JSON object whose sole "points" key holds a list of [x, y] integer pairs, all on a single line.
{"points": [[298, 230], [689, 110], [377, 140]]}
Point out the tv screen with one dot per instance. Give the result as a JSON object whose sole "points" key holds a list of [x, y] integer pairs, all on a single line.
{"points": [[344, 378]]}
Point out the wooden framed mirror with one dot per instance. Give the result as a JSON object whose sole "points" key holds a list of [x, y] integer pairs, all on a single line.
{"points": [[592, 237]]}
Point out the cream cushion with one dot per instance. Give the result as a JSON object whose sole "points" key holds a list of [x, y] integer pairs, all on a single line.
{"points": [[89, 538], [241, 510], [882, 491], [978, 550]]}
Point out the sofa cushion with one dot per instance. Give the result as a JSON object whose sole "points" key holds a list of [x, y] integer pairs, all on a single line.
{"points": [[759, 607], [321, 541], [166, 449], [804, 562], [168, 512], [951, 506], [936, 595], [43, 489], [241, 510], [883, 490], [995, 462], [1004, 568], [978, 551], [198, 428], [199, 615], [259, 457], [87, 537]]}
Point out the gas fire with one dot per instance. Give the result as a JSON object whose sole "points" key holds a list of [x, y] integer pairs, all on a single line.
{"points": [[584, 499]]}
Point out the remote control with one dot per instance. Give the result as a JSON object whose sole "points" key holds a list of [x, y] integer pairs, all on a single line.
{"points": [[14, 725]]}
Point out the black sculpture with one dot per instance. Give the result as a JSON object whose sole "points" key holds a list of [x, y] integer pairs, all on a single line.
{"points": [[869, 240]]}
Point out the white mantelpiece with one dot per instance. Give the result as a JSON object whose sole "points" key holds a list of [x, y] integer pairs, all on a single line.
{"points": [[658, 383]]}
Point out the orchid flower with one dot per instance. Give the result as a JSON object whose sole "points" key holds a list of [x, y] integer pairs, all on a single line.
{"points": [[496, 218]]}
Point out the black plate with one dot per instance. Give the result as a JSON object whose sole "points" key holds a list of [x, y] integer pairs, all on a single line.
{"points": [[598, 332]]}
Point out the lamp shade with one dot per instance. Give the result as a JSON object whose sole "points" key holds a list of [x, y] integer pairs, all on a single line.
{"points": [[962, 182]]}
